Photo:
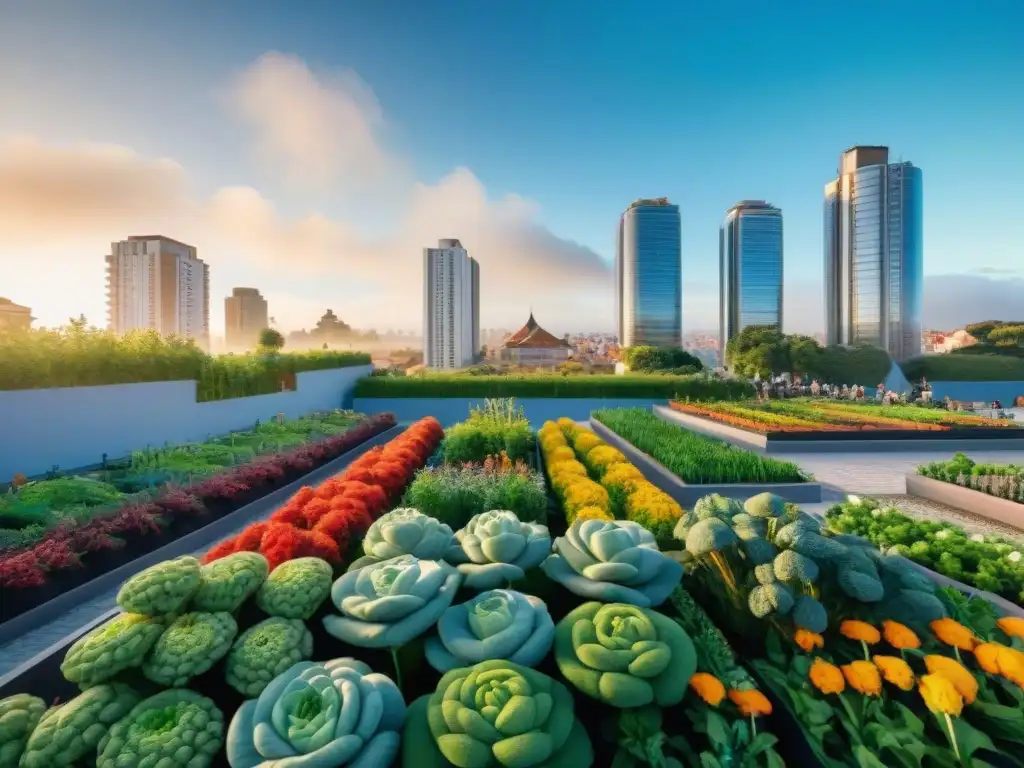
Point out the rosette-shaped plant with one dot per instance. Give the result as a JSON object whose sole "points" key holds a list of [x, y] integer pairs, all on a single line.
{"points": [[191, 645], [625, 656], [71, 732], [19, 715], [387, 604], [332, 714], [264, 651], [162, 588], [496, 713], [613, 561], [175, 727], [406, 531], [500, 548], [117, 645], [227, 583], [500, 624], [295, 589]]}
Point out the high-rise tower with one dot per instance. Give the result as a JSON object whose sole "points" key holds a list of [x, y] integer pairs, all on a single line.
{"points": [[874, 253], [451, 306], [750, 269], [648, 273]]}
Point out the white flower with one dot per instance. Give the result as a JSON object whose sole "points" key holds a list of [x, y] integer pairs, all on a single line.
{"points": [[876, 513], [853, 499], [977, 537], [943, 534], [1014, 557]]}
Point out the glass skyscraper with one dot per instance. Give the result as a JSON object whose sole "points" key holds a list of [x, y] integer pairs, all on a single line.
{"points": [[648, 274], [749, 269], [874, 266]]}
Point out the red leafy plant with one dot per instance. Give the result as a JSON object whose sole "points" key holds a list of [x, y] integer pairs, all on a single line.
{"points": [[21, 572]]}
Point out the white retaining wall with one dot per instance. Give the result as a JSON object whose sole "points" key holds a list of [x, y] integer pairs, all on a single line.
{"points": [[73, 427]]}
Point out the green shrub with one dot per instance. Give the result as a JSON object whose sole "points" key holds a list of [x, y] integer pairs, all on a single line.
{"points": [[80, 357], [499, 425], [692, 457], [972, 367], [697, 387], [453, 495]]}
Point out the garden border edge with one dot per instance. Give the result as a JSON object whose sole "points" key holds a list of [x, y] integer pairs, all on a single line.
{"points": [[37, 617], [967, 499], [686, 495]]}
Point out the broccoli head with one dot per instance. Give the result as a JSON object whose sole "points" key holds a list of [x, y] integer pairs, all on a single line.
{"points": [[809, 614], [791, 566], [759, 551], [264, 651], [191, 645], [765, 505], [119, 644], [296, 588], [160, 589], [709, 535], [19, 715], [766, 599], [859, 586], [765, 573], [227, 583]]}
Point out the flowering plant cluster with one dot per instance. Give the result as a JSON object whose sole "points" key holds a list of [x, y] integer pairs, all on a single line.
{"points": [[65, 546], [598, 481], [985, 561], [324, 522]]}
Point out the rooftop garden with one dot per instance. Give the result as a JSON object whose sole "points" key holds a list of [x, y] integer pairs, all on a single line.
{"points": [[77, 356], [1004, 481]]}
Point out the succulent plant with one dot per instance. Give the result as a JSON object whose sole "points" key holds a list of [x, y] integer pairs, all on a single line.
{"points": [[500, 548], [19, 715], [192, 644], [406, 531], [331, 714], [387, 604], [71, 732], [625, 656], [613, 561], [160, 589], [174, 727], [119, 644], [296, 588], [500, 624], [264, 651], [227, 583], [514, 716]]}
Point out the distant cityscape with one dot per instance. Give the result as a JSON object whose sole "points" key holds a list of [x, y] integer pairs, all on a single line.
{"points": [[872, 256]]}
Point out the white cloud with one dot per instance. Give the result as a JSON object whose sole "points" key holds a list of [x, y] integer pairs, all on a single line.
{"points": [[319, 131]]}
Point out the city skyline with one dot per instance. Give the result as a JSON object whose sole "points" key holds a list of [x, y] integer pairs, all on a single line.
{"points": [[322, 149]]}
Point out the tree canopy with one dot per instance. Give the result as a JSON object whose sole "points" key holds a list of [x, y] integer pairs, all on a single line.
{"points": [[647, 359]]}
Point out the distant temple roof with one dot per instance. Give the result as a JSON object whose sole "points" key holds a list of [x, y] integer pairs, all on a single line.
{"points": [[532, 336]]}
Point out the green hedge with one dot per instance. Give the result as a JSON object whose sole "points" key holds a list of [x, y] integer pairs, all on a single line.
{"points": [[42, 359], [964, 368], [455, 385]]}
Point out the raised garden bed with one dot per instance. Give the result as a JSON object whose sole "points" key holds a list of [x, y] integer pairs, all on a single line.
{"points": [[687, 494], [969, 500], [842, 441], [90, 573]]}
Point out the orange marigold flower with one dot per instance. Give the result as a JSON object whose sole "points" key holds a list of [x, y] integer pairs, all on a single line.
{"points": [[863, 677], [987, 656], [751, 703], [859, 630], [708, 687], [1012, 625], [1011, 664], [954, 633], [808, 640], [940, 695], [826, 677], [956, 673], [895, 671], [899, 636]]}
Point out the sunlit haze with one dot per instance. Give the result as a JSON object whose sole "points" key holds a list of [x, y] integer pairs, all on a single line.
{"points": [[312, 150]]}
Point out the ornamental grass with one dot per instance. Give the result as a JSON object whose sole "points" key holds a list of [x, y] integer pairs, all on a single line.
{"points": [[694, 458]]}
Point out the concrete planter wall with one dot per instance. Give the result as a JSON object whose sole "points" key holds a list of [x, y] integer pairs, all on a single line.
{"points": [[74, 426], [969, 500], [198, 540], [450, 410], [851, 444], [686, 495]]}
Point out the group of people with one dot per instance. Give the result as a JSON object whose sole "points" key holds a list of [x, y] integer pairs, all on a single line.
{"points": [[788, 385]]}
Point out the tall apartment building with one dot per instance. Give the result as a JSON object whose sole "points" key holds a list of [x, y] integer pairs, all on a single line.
{"points": [[750, 268], [648, 275], [874, 258], [155, 282], [451, 306], [245, 315]]}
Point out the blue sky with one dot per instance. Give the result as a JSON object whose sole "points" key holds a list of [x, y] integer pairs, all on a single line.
{"points": [[579, 107]]}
